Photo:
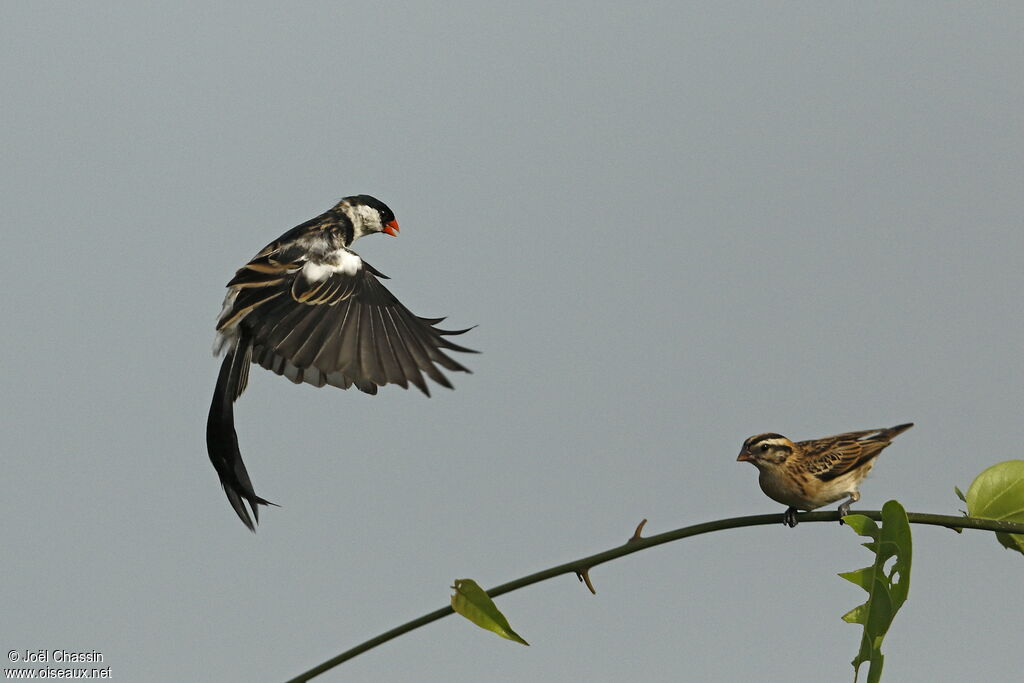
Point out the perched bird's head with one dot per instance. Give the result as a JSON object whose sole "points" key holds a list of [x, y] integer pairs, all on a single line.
{"points": [[368, 215], [766, 450]]}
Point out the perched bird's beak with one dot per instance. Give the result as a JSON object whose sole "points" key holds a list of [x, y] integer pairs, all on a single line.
{"points": [[743, 457], [391, 228]]}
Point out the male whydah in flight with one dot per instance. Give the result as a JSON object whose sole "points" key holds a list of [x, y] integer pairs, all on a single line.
{"points": [[309, 308]]}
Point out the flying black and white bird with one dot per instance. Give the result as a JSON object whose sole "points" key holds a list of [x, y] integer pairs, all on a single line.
{"points": [[309, 308]]}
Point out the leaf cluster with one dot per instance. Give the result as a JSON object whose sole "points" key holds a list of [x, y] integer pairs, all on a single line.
{"points": [[887, 583]]}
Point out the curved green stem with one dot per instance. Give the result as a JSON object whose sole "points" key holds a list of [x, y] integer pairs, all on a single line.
{"points": [[584, 564]]}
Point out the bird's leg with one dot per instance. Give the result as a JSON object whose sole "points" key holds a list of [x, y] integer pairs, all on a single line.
{"points": [[844, 509], [789, 517]]}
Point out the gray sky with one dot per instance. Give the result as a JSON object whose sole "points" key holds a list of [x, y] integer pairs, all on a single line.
{"points": [[675, 226]]}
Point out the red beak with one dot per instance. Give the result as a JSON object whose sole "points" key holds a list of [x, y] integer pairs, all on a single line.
{"points": [[743, 457], [391, 228]]}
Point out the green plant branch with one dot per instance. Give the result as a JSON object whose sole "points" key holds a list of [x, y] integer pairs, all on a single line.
{"points": [[637, 543]]}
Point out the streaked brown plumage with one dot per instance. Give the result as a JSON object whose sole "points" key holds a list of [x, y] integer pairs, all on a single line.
{"points": [[809, 474]]}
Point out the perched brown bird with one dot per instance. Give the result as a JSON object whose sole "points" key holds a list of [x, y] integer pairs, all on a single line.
{"points": [[809, 474], [309, 308]]}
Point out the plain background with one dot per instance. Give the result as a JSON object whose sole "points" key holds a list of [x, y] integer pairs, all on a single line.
{"points": [[676, 225]]}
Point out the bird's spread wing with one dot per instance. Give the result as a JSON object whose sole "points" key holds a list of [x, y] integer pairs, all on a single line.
{"points": [[833, 457], [331, 321]]}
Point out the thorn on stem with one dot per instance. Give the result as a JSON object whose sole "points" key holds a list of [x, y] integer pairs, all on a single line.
{"points": [[636, 534], [584, 576]]}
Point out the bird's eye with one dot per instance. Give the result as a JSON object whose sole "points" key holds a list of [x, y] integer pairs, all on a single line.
{"points": [[764, 447]]}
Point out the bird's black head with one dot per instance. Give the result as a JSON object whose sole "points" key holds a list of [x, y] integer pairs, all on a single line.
{"points": [[384, 219], [385, 213]]}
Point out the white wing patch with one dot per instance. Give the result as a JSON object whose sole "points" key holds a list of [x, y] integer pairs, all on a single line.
{"points": [[341, 261]]}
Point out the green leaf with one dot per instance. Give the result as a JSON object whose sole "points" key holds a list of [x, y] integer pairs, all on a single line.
{"points": [[858, 615], [887, 591], [959, 493], [861, 577], [863, 526], [998, 493], [472, 602]]}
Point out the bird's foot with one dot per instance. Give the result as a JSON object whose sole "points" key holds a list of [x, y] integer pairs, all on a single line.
{"points": [[844, 510], [789, 517]]}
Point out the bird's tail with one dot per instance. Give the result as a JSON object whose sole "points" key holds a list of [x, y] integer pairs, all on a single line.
{"points": [[221, 439], [892, 432]]}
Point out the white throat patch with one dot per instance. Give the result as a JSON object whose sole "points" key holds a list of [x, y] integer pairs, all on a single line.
{"points": [[365, 220]]}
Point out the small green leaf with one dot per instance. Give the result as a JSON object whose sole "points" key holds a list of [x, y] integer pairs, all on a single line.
{"points": [[863, 526], [861, 577], [998, 493], [959, 494], [472, 602], [886, 591], [858, 615]]}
